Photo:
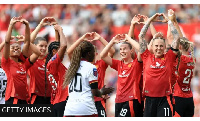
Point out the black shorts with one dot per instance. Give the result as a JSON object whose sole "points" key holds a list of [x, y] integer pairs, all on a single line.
{"points": [[158, 106], [184, 107], [100, 106], [13, 100], [59, 108], [35, 99], [130, 108]]}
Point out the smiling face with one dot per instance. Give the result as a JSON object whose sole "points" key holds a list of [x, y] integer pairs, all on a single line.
{"points": [[42, 46], [125, 51], [159, 48], [15, 50]]}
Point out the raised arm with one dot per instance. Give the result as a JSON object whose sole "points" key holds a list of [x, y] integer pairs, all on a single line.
{"points": [[75, 44], [63, 42], [104, 53], [43, 22], [96, 36], [2, 45], [53, 21], [134, 43], [142, 42], [26, 46], [153, 32], [176, 40], [6, 52], [134, 21]]}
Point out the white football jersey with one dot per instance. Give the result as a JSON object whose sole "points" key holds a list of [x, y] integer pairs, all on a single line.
{"points": [[3, 82], [80, 101]]}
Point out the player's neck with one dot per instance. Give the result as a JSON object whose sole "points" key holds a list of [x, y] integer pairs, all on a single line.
{"points": [[127, 60], [14, 59], [41, 56], [185, 52]]}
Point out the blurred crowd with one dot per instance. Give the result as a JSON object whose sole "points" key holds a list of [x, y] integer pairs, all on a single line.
{"points": [[78, 19]]}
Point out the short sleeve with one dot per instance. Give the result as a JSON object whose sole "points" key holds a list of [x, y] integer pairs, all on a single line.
{"points": [[53, 64], [22, 58], [28, 63], [5, 63], [103, 64], [145, 55], [171, 56], [115, 64], [93, 74]]}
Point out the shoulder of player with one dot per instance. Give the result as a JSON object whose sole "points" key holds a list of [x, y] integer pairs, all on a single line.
{"points": [[87, 64]]}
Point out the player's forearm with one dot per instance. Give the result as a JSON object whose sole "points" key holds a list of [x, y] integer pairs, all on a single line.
{"points": [[63, 45], [6, 51], [26, 46], [73, 46], [178, 29], [142, 42], [34, 49], [134, 43], [57, 37], [104, 42], [105, 51], [152, 29], [131, 31], [2, 45], [175, 43], [35, 32]]}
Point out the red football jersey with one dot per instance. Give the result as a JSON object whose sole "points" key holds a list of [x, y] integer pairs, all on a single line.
{"points": [[16, 78], [101, 69], [174, 74], [128, 80], [56, 73], [157, 73], [185, 73], [37, 78]]}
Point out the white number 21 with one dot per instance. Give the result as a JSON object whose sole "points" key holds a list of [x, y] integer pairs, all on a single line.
{"points": [[187, 78]]}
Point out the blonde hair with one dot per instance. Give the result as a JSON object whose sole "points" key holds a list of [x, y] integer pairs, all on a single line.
{"points": [[186, 45]]}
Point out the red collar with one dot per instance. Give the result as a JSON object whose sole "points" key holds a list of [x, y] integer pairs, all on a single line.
{"points": [[84, 60]]}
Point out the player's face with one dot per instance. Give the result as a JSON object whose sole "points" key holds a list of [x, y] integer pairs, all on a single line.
{"points": [[42, 46], [125, 51], [158, 47], [15, 50]]}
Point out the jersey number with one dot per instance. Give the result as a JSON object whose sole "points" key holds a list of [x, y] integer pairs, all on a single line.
{"points": [[76, 84], [3, 84], [187, 78], [52, 81]]}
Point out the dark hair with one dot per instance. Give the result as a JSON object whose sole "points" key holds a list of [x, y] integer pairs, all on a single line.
{"points": [[130, 46], [84, 50], [53, 45], [39, 39]]}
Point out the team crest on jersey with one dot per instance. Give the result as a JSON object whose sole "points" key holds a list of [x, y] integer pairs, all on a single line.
{"points": [[95, 72], [54, 57], [97, 66], [162, 58], [129, 65]]}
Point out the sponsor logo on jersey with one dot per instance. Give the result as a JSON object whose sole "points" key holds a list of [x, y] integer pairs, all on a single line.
{"points": [[54, 57], [22, 71], [43, 68], [129, 65], [157, 66], [95, 72], [123, 74]]}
